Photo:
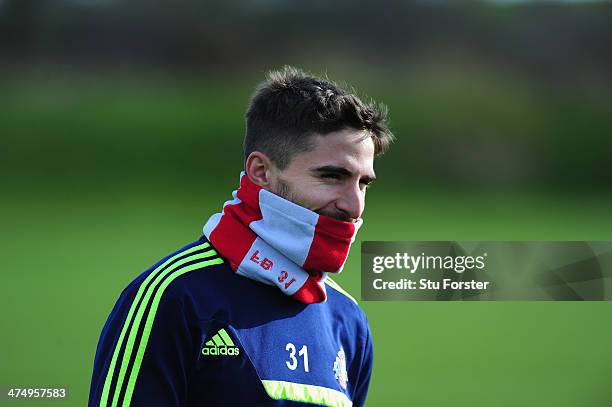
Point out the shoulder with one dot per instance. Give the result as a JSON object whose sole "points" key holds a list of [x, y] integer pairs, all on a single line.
{"points": [[195, 256], [336, 287], [196, 268], [345, 303]]}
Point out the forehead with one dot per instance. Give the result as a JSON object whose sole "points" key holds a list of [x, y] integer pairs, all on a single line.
{"points": [[349, 148]]}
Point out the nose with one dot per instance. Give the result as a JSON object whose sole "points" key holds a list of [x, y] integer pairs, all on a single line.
{"points": [[352, 201]]}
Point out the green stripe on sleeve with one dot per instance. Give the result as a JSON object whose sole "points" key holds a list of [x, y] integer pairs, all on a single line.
{"points": [[149, 323], [306, 393], [140, 313], [111, 368]]}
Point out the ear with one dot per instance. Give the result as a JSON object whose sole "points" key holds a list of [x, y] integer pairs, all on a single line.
{"points": [[259, 168]]}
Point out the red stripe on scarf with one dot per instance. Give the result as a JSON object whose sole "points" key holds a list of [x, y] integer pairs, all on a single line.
{"points": [[330, 246], [231, 233], [311, 292], [235, 240]]}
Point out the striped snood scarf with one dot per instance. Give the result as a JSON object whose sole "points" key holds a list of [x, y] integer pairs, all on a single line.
{"points": [[277, 242]]}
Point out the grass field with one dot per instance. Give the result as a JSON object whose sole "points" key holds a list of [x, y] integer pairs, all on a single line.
{"points": [[68, 251]]}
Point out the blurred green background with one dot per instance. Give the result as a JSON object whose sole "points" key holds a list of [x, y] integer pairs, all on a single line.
{"points": [[121, 126]]}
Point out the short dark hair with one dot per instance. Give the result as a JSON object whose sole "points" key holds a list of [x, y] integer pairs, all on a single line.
{"points": [[291, 106]]}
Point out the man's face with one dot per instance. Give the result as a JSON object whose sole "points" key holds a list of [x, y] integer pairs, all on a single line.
{"points": [[332, 178]]}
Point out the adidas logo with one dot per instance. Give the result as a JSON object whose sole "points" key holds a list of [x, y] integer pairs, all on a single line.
{"points": [[220, 345]]}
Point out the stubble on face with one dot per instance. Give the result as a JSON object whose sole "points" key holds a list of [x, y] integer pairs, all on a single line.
{"points": [[283, 190]]}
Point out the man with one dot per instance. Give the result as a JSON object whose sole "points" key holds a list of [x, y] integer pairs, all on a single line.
{"points": [[192, 330]]}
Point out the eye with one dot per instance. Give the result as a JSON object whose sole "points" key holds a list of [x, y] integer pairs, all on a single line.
{"points": [[330, 176]]}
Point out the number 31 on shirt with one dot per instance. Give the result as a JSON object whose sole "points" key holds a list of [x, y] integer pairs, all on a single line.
{"points": [[292, 363]]}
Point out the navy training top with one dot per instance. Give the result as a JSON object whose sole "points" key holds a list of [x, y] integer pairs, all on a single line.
{"points": [[188, 331]]}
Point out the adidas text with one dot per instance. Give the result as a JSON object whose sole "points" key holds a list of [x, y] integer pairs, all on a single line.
{"points": [[220, 351]]}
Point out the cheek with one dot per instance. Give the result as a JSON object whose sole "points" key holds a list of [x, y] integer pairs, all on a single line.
{"points": [[319, 196]]}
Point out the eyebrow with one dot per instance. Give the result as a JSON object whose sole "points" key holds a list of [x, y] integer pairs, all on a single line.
{"points": [[341, 171]]}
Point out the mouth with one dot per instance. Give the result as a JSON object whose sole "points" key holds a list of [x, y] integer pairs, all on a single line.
{"points": [[338, 216]]}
